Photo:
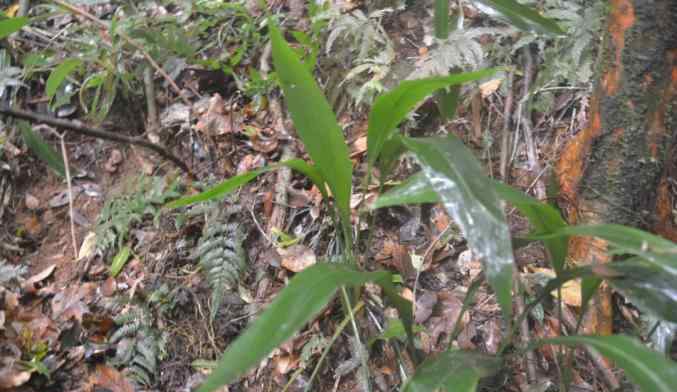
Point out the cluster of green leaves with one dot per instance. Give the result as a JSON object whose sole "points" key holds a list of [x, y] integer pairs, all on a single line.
{"points": [[451, 175], [119, 213]]}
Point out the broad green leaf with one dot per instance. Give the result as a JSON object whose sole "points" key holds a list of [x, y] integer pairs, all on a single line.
{"points": [[523, 17], [40, 148], [646, 368], [120, 260], [544, 218], [469, 198], [59, 74], [315, 122], [456, 371], [414, 190], [391, 108], [626, 240], [12, 25], [231, 184], [304, 297], [650, 286]]}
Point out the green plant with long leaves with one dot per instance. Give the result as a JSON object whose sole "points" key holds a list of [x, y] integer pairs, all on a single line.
{"points": [[451, 175]]}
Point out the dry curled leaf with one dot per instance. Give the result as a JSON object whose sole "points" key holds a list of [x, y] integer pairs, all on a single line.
{"points": [[297, 257]]}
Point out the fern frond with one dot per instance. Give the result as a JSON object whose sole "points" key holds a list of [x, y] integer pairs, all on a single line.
{"points": [[221, 255], [138, 346]]}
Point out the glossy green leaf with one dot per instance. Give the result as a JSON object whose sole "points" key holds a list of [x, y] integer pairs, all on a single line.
{"points": [[304, 297], [391, 108], [59, 74], [120, 260], [12, 25], [233, 183], [649, 286], [626, 240], [469, 198], [543, 217], [457, 371], [39, 146], [414, 190], [646, 368], [523, 17], [315, 122]]}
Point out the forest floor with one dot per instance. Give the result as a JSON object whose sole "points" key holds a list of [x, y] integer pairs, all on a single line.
{"points": [[58, 318]]}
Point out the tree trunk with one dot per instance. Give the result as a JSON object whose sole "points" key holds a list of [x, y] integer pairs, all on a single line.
{"points": [[610, 172]]}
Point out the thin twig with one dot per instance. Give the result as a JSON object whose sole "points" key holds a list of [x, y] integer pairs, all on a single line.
{"points": [[79, 127], [130, 41], [64, 154], [505, 134], [152, 123]]}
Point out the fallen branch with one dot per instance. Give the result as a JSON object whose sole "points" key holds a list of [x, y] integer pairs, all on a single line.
{"points": [[83, 129]]}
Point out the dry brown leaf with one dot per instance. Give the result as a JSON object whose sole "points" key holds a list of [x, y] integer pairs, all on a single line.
{"points": [[107, 378], [113, 161], [490, 87], [214, 121], [297, 257], [424, 306], [29, 285], [88, 247], [359, 146], [32, 202], [72, 301], [12, 376]]}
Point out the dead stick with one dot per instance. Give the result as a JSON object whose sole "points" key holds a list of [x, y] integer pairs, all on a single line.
{"points": [[130, 41], [64, 154], [94, 132]]}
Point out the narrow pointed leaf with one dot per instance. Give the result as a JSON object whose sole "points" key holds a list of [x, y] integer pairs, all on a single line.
{"points": [[456, 371], [59, 74], [628, 240], [221, 190], [523, 17], [120, 260], [647, 368], [469, 198], [649, 286], [391, 108], [314, 120], [303, 298], [44, 151], [12, 25], [415, 190]]}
